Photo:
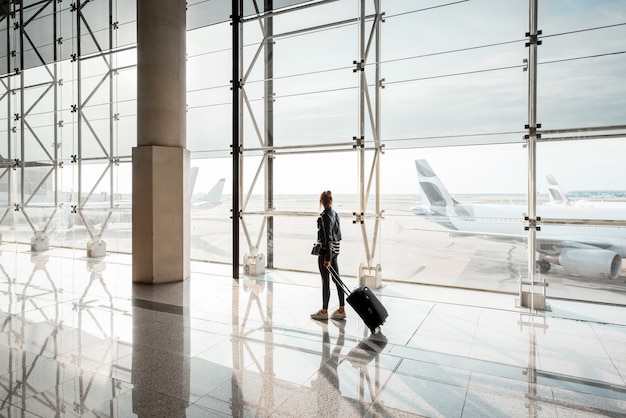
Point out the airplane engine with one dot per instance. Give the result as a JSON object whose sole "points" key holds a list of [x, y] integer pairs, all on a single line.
{"points": [[591, 263]]}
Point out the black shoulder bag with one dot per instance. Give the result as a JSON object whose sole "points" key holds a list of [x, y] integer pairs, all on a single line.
{"points": [[317, 245]]}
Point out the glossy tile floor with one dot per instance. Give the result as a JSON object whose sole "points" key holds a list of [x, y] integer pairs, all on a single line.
{"points": [[79, 339]]}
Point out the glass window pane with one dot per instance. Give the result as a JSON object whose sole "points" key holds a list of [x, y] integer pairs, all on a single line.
{"points": [[462, 82], [211, 223], [456, 219], [582, 272], [582, 78]]}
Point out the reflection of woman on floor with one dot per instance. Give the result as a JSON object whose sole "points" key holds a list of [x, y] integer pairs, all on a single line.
{"points": [[326, 384]]}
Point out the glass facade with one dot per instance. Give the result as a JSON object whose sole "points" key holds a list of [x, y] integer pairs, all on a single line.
{"points": [[358, 97]]}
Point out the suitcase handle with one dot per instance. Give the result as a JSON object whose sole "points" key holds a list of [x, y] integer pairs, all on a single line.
{"points": [[335, 276]]}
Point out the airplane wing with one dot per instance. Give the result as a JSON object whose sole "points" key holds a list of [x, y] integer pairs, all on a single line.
{"points": [[554, 243], [543, 241]]}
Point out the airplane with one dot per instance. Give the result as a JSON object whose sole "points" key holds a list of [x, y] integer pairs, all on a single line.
{"points": [[588, 251], [211, 199], [95, 212], [421, 210], [556, 194], [558, 197]]}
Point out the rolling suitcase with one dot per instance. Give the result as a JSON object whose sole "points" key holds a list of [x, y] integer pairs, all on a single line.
{"points": [[364, 302]]}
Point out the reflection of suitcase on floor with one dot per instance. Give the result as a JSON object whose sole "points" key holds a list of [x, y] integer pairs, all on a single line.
{"points": [[364, 302], [361, 355]]}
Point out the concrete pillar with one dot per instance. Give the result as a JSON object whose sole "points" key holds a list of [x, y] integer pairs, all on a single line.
{"points": [[161, 180]]}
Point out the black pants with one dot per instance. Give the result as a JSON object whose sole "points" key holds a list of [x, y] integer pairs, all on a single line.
{"points": [[326, 281]]}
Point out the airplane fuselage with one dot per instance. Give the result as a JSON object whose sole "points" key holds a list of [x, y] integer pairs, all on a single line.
{"points": [[508, 220]]}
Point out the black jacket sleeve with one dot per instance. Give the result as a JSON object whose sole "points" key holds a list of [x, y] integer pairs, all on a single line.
{"points": [[328, 230]]}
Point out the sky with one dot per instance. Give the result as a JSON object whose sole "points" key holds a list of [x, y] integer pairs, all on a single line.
{"points": [[574, 92], [494, 169]]}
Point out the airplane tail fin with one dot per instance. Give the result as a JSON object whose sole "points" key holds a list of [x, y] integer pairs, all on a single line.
{"points": [[557, 195], [433, 189], [214, 195]]}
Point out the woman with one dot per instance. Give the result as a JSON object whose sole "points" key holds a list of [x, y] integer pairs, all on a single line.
{"points": [[329, 234]]}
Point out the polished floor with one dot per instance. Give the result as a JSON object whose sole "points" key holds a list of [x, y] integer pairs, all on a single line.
{"points": [[79, 339]]}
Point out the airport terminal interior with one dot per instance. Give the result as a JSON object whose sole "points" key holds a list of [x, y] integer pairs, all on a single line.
{"points": [[159, 205]]}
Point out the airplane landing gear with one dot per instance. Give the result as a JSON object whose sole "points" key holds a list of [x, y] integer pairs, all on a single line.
{"points": [[543, 266]]}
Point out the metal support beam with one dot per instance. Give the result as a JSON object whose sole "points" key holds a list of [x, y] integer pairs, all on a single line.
{"points": [[269, 128], [237, 52], [369, 36], [527, 296]]}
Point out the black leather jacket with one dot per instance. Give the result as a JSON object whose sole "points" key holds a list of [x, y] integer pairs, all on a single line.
{"points": [[328, 232]]}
